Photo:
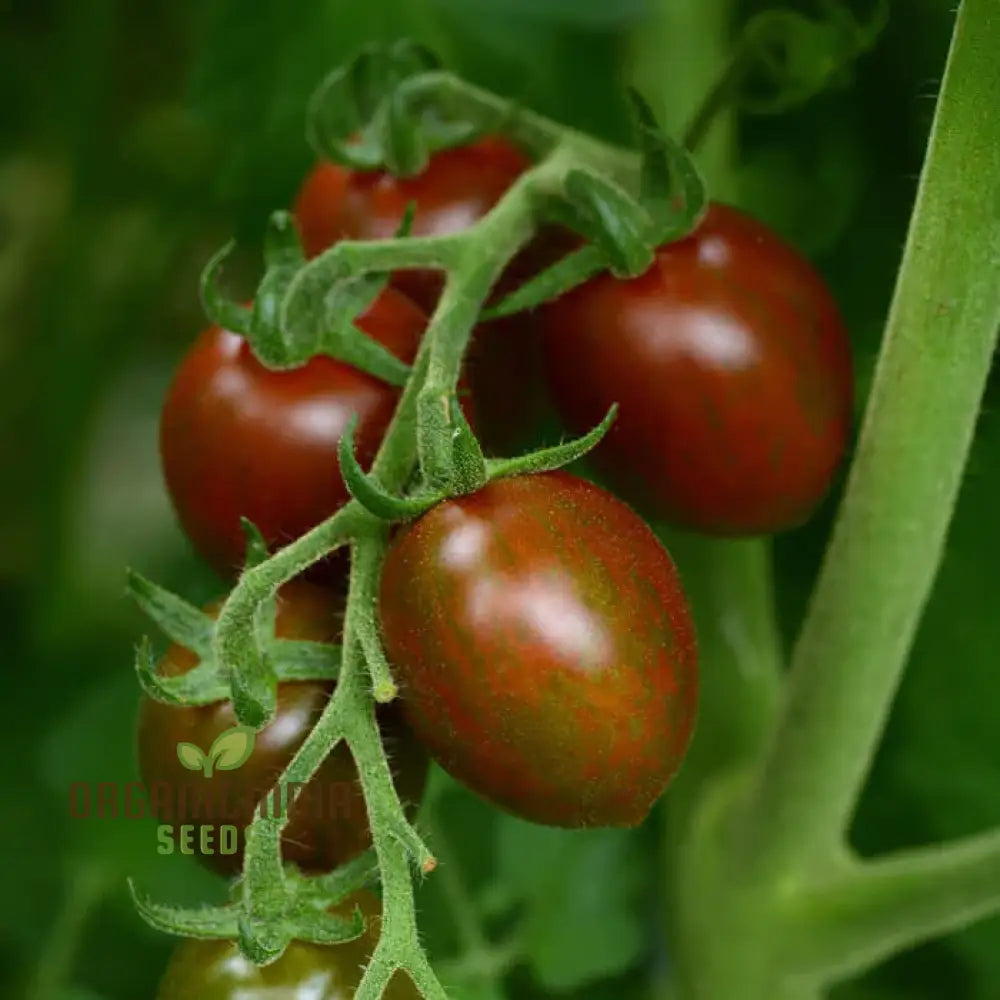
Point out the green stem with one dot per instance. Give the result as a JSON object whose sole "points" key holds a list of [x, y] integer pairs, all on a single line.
{"points": [[882, 907], [917, 432]]}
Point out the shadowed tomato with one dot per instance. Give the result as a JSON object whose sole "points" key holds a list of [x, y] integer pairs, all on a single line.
{"points": [[458, 187], [328, 822], [238, 439], [215, 970], [544, 649], [732, 370]]}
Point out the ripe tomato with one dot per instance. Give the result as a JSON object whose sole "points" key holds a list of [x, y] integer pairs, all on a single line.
{"points": [[238, 439], [328, 821], [215, 970], [732, 370], [544, 649], [458, 187]]}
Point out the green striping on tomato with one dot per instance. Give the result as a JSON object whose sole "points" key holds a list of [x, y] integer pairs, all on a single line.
{"points": [[328, 822], [240, 440], [732, 370], [215, 970], [544, 649]]}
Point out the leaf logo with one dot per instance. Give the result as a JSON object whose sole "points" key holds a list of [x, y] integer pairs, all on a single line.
{"points": [[230, 750]]}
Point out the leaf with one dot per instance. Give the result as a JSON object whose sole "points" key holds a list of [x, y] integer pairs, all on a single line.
{"points": [[580, 891], [232, 748], [191, 756]]}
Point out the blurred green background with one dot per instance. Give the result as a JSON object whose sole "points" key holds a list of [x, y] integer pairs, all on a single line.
{"points": [[137, 136]]}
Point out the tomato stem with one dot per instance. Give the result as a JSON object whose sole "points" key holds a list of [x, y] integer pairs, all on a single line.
{"points": [[889, 537]]}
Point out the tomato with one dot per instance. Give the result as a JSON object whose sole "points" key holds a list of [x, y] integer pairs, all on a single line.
{"points": [[732, 369], [457, 188], [328, 822], [544, 649], [238, 439], [215, 970]]}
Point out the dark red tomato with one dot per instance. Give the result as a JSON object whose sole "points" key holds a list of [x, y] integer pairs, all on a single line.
{"points": [[457, 189], [215, 970], [732, 369], [238, 439], [327, 823], [544, 649]]}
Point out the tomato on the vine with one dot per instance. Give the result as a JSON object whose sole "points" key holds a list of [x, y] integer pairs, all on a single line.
{"points": [[732, 369], [544, 649], [328, 821], [215, 970], [240, 440], [457, 188]]}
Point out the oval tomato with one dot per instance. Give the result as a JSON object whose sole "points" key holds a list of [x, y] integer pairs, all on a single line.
{"points": [[544, 649], [215, 970], [328, 822], [458, 187], [732, 370], [238, 439]]}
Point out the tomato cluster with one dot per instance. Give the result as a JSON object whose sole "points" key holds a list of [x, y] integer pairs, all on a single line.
{"points": [[538, 630]]}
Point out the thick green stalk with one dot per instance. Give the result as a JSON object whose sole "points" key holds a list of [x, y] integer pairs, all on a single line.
{"points": [[890, 534]]}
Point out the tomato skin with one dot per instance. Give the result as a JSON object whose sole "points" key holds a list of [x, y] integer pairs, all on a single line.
{"points": [[215, 970], [458, 187], [238, 439], [544, 649], [328, 822], [732, 370]]}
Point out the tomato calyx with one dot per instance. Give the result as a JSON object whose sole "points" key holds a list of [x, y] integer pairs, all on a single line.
{"points": [[302, 308], [622, 231], [188, 626], [306, 906]]}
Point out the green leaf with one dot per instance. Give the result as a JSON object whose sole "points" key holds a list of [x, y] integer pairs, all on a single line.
{"points": [[580, 893], [191, 756], [218, 306], [232, 748]]}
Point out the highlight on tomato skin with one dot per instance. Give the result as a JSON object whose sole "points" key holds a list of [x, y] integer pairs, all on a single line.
{"points": [[732, 370], [215, 970], [240, 440], [544, 649], [328, 820]]}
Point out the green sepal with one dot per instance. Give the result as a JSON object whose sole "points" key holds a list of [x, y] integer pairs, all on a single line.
{"points": [[292, 659], [320, 927], [333, 887], [254, 688], [180, 621], [572, 270], [368, 491], [671, 189], [468, 462], [318, 316], [549, 459], [256, 545], [262, 942], [404, 149], [206, 923], [219, 307], [342, 118], [611, 219]]}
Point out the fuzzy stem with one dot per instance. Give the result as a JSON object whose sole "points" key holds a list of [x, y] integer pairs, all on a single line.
{"points": [[890, 534]]}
